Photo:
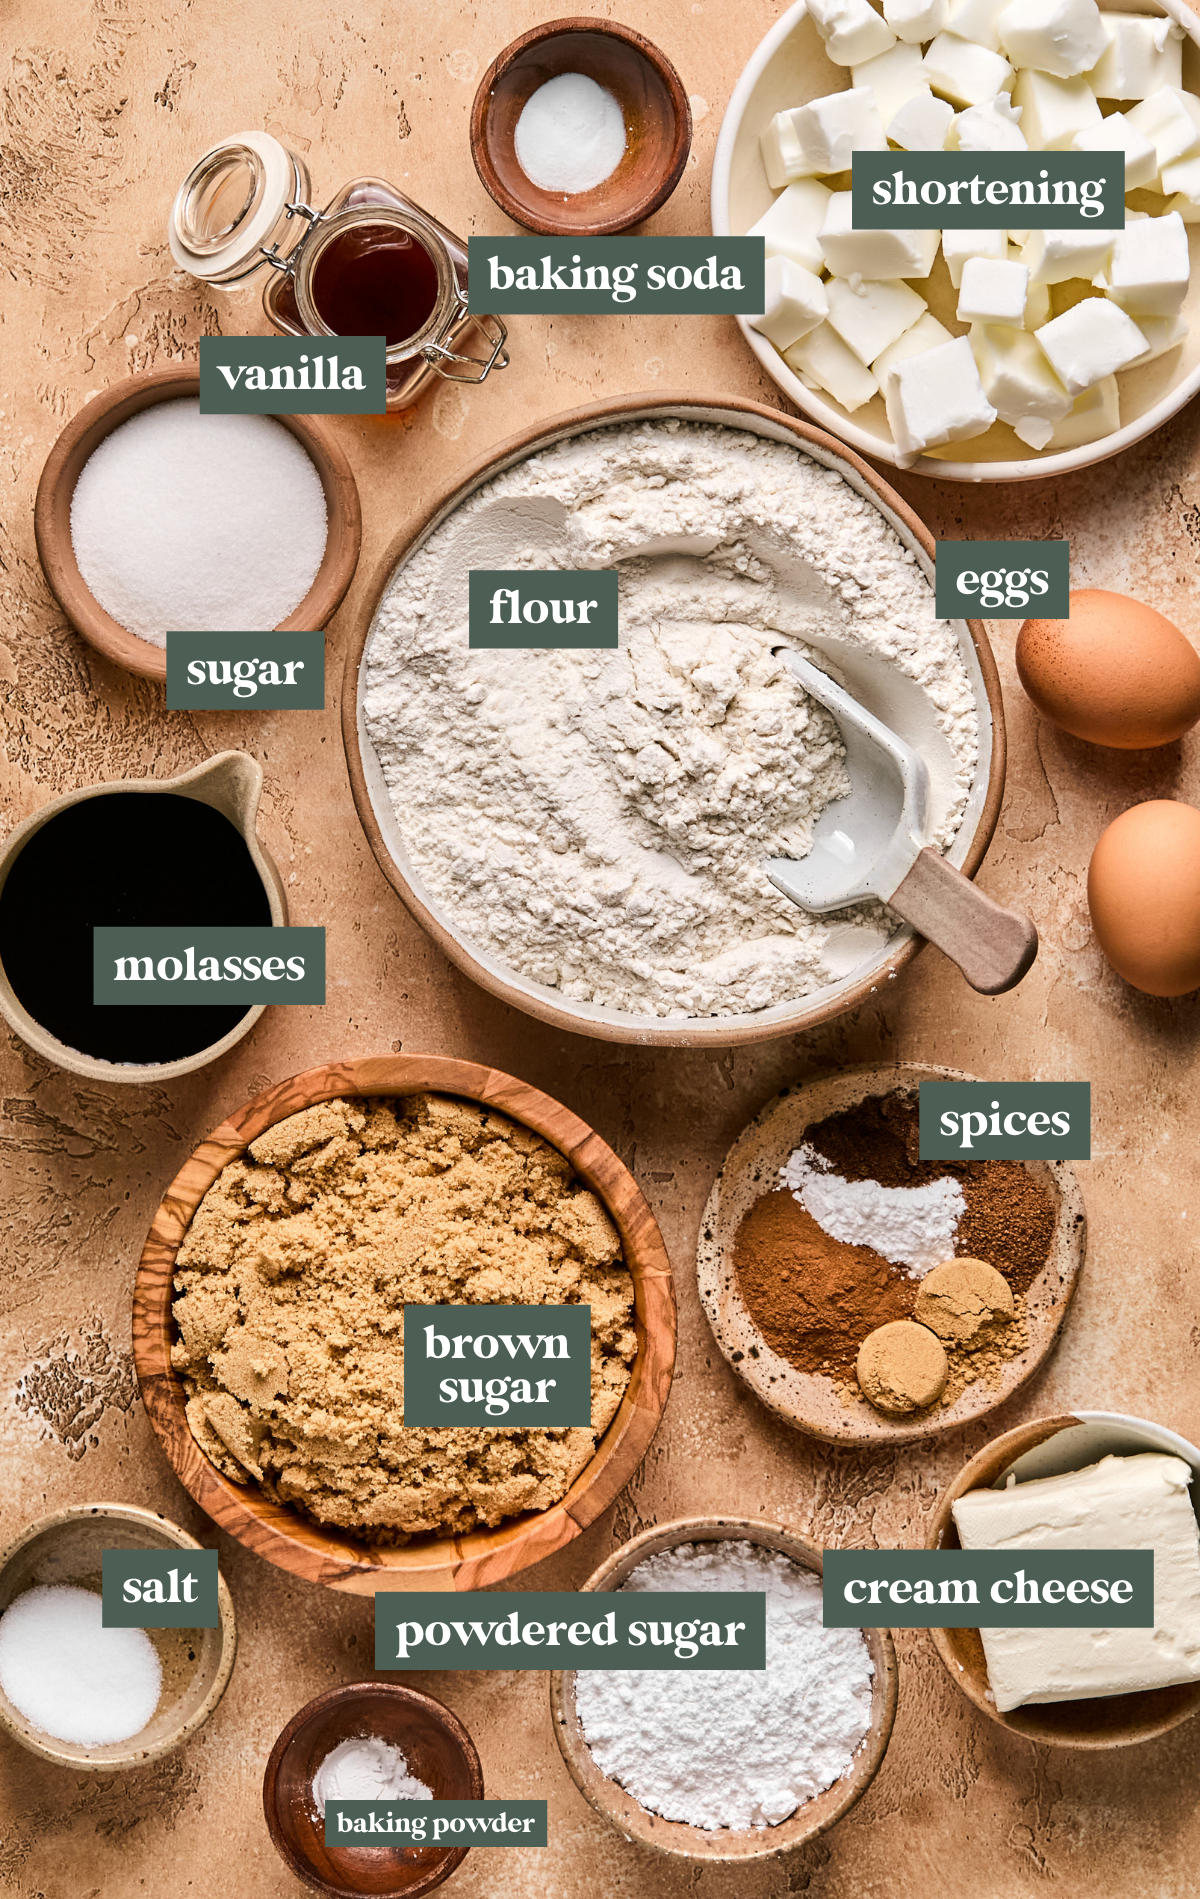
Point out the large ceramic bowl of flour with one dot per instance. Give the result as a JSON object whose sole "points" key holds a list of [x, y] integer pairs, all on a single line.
{"points": [[585, 831]]}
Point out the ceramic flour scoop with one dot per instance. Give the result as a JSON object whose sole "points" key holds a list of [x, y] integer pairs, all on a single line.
{"points": [[873, 843]]}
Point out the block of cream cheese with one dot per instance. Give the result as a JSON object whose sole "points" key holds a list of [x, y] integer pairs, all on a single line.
{"points": [[1143, 55], [894, 77], [1138, 1503], [1053, 109], [936, 397], [1115, 134], [796, 303], [1064, 37], [915, 21], [874, 254], [870, 316], [1149, 267], [1091, 340], [790, 227], [851, 29], [965, 73], [989, 128], [922, 124], [823, 361]]}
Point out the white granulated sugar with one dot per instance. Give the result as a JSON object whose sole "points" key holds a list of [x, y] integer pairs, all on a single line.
{"points": [[599, 820], [734, 1748], [366, 1768], [914, 1227], [68, 1675], [192, 523], [570, 136]]}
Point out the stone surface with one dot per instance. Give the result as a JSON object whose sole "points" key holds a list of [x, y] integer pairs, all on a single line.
{"points": [[103, 107]]}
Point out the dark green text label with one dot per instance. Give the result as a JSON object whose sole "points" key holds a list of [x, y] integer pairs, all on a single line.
{"points": [[988, 191], [988, 1589], [520, 607], [498, 1366], [293, 375], [245, 672], [1003, 580], [435, 1823], [159, 1589], [611, 276], [560, 1628], [173, 964], [1006, 1120]]}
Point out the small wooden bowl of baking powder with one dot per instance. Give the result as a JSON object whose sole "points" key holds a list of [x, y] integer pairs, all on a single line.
{"points": [[654, 106], [726, 1845], [438, 1750], [65, 463], [320, 1552]]}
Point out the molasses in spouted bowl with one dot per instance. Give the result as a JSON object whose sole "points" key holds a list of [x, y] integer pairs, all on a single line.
{"points": [[718, 1763], [871, 1297], [138, 852], [268, 1326], [1087, 1482], [368, 1741]]}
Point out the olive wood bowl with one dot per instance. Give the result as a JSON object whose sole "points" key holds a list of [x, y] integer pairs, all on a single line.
{"points": [[68, 1547], [810, 1400], [84, 434], [1044, 1448], [384, 835], [677, 1837], [438, 1750], [321, 1553], [658, 126]]}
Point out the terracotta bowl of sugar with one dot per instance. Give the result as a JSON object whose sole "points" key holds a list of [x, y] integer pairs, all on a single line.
{"points": [[64, 1552], [875, 1687], [190, 523]]}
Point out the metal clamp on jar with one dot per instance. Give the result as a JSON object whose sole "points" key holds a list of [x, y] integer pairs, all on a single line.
{"points": [[371, 263]]}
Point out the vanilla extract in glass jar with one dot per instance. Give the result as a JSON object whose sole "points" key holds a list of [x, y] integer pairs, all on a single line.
{"points": [[372, 263]]}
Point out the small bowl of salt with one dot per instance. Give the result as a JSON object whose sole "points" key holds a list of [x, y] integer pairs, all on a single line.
{"points": [[81, 1695], [580, 128], [369, 1741]]}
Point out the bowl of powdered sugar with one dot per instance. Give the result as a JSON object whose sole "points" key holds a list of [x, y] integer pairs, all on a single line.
{"points": [[585, 831], [726, 1764], [154, 518]]}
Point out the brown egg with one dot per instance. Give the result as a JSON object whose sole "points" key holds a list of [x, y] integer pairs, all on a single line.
{"points": [[1115, 673], [1144, 896]]}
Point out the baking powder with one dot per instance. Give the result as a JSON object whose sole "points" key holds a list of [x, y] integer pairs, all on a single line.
{"points": [[365, 1768], [727, 1748]]}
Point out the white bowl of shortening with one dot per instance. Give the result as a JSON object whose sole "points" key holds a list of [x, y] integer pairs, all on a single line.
{"points": [[584, 832], [720, 1764]]}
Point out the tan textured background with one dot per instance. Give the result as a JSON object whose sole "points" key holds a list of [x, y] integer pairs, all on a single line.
{"points": [[103, 108]]}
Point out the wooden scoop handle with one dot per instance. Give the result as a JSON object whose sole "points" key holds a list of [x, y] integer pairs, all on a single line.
{"points": [[992, 946]]}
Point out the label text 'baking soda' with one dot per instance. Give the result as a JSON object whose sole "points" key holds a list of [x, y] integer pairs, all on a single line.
{"points": [[606, 276]]}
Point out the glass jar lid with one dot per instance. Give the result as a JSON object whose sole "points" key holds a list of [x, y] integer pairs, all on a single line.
{"points": [[233, 206]]}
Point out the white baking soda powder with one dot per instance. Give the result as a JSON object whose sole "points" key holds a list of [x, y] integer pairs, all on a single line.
{"points": [[727, 1747], [571, 135], [192, 523], [365, 1768], [68, 1675]]}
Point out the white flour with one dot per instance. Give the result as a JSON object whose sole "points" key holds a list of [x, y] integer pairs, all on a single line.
{"points": [[734, 1748], [599, 820], [914, 1227]]}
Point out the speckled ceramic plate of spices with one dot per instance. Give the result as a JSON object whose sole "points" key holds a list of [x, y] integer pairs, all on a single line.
{"points": [[790, 1303]]}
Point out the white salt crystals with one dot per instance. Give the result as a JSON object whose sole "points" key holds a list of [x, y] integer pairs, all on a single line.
{"points": [[198, 523], [570, 136], [70, 1677]]}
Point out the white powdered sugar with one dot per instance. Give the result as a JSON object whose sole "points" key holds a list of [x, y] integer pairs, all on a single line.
{"points": [[914, 1227], [599, 820], [734, 1748]]}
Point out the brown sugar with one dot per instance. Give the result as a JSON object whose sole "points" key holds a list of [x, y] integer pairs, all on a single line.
{"points": [[291, 1285]]}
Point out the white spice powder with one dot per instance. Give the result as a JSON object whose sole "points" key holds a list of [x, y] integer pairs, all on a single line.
{"points": [[192, 523], [366, 1768], [913, 1227], [733, 1748], [599, 820]]}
